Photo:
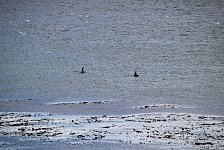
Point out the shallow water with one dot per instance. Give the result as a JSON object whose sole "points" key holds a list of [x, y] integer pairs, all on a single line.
{"points": [[175, 46]]}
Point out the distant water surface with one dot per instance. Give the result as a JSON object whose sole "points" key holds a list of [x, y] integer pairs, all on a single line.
{"points": [[177, 47]]}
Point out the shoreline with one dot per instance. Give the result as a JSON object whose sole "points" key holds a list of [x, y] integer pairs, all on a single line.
{"points": [[110, 123], [175, 129], [104, 107]]}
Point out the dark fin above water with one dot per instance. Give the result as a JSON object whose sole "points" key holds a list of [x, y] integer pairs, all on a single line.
{"points": [[82, 71], [136, 75]]}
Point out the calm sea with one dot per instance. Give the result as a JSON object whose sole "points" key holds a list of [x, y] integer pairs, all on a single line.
{"points": [[177, 48]]}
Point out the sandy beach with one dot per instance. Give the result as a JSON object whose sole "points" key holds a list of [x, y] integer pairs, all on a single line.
{"points": [[111, 74]]}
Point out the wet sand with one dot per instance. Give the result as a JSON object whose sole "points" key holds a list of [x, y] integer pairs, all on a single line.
{"points": [[164, 129], [158, 126]]}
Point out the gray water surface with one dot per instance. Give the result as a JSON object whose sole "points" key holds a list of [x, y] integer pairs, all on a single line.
{"points": [[177, 47]]}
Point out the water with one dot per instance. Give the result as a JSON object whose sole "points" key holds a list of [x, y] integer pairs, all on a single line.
{"points": [[175, 46]]}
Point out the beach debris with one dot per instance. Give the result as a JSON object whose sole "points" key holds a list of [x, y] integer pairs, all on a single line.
{"points": [[93, 119], [168, 106], [191, 130], [81, 103]]}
